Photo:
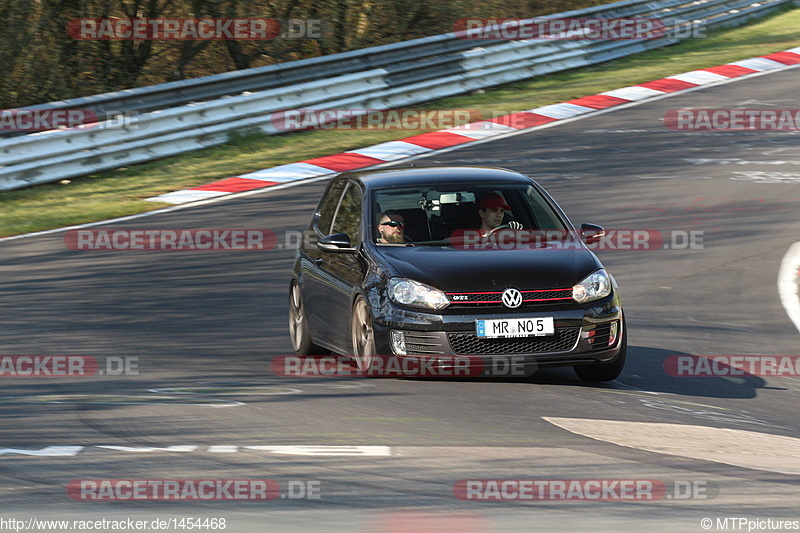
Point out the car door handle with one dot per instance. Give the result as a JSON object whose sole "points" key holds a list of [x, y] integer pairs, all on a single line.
{"points": [[318, 261]]}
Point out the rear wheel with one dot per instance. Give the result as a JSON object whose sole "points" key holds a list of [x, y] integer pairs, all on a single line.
{"points": [[298, 325], [363, 335], [594, 373]]}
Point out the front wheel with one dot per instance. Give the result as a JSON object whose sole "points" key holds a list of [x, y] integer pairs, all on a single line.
{"points": [[363, 335], [594, 373]]}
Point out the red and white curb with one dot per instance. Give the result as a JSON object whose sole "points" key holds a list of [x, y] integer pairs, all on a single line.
{"points": [[437, 140]]}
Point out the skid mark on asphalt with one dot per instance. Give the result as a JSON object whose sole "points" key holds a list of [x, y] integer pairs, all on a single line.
{"points": [[746, 449]]}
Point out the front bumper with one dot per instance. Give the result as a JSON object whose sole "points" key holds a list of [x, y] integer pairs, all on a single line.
{"points": [[583, 334]]}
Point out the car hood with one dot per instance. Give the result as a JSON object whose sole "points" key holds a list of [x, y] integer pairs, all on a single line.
{"points": [[453, 270]]}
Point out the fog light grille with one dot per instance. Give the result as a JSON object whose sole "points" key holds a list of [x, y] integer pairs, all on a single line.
{"points": [[423, 343]]}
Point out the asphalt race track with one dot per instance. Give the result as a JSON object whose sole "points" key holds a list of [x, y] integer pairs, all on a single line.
{"points": [[383, 455]]}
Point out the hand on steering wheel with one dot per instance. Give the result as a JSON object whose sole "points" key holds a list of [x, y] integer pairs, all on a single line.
{"points": [[512, 224]]}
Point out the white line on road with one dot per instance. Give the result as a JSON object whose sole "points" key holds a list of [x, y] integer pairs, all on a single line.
{"points": [[307, 450], [375, 451], [49, 451]]}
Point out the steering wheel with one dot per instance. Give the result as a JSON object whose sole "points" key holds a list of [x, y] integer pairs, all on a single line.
{"points": [[512, 224], [493, 231]]}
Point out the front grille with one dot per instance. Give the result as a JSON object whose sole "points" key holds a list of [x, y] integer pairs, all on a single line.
{"points": [[485, 299], [421, 343], [463, 343]]}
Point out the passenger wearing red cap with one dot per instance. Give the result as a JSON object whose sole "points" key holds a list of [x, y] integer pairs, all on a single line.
{"points": [[491, 209]]}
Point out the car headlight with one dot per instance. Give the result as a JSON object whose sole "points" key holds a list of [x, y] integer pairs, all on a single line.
{"points": [[595, 286], [415, 294]]}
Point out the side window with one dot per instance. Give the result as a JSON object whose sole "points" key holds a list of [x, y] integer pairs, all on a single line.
{"points": [[544, 216], [328, 206], [348, 215]]}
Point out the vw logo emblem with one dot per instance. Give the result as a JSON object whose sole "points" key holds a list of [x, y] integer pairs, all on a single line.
{"points": [[511, 298]]}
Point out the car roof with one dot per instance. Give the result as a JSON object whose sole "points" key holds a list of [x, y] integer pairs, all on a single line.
{"points": [[373, 179]]}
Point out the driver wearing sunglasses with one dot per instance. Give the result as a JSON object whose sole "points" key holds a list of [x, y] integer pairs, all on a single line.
{"points": [[391, 228]]}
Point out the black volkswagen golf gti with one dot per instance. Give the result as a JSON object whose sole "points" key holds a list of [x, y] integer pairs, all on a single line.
{"points": [[450, 262]]}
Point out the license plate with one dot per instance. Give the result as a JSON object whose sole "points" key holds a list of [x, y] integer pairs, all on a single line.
{"points": [[500, 328]]}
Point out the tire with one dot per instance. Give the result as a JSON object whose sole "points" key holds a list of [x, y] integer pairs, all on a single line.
{"points": [[298, 325], [362, 334], [595, 373]]}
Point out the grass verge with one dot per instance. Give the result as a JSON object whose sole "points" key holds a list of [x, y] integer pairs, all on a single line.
{"points": [[122, 191]]}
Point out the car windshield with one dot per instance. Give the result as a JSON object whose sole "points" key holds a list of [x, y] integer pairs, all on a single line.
{"points": [[432, 215]]}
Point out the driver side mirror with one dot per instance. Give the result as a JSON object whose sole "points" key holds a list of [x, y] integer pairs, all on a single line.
{"points": [[337, 242], [592, 233]]}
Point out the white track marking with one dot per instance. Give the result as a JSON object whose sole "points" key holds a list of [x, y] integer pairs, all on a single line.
{"points": [[148, 449], [747, 449], [49, 451], [373, 451], [298, 449], [222, 449]]}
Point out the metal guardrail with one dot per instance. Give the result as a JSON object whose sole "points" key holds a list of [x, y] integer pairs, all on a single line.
{"points": [[409, 73], [399, 58]]}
